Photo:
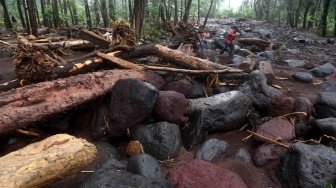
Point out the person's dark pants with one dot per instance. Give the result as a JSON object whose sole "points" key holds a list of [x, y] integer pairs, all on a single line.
{"points": [[219, 43]]}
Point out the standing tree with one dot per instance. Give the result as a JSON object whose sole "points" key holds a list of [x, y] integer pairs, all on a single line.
{"points": [[32, 17], [19, 6], [324, 22], [187, 10], [335, 18], [176, 12], [7, 20], [65, 9], [104, 13], [96, 10], [306, 7], [87, 13], [112, 10], [138, 16], [55, 13], [206, 18]]}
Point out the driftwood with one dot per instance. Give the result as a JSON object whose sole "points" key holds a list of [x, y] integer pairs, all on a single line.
{"points": [[168, 69], [30, 104], [41, 163], [254, 41], [94, 38]]}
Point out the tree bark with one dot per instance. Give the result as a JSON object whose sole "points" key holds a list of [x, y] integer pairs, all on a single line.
{"points": [[32, 17], [23, 23], [96, 10], [298, 13], [25, 5], [112, 10], [206, 18], [176, 12], [28, 105], [75, 12], [324, 21], [103, 8], [55, 13], [334, 18], [94, 38], [187, 10], [120, 62], [290, 14], [305, 14], [88, 14], [138, 17], [65, 8], [7, 19], [41, 163]]}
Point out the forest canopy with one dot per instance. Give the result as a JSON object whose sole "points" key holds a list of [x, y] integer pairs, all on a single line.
{"points": [[150, 15]]}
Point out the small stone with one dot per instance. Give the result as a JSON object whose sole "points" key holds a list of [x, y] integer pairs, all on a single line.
{"points": [[243, 155], [280, 105], [211, 150], [275, 129], [304, 77], [268, 153], [133, 148], [325, 105]]}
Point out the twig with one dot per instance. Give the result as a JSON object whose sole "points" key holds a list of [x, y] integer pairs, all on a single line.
{"points": [[268, 139], [27, 133], [168, 69], [294, 113]]}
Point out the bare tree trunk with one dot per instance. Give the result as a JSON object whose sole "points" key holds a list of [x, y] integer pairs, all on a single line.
{"points": [[267, 9], [87, 13], [103, 8], [45, 19], [55, 13], [96, 10], [335, 18], [305, 14], [298, 13], [176, 12], [138, 16], [7, 20], [206, 18], [324, 22], [290, 14], [37, 15], [198, 11], [32, 17], [23, 23], [65, 8], [130, 10], [187, 10], [74, 12], [26, 15], [112, 10]]}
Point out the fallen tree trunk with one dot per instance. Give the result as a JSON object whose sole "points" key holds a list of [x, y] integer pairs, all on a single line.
{"points": [[94, 38], [120, 62], [30, 104], [179, 58], [41, 163], [72, 45]]}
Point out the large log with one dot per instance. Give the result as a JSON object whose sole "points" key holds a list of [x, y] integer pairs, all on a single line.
{"points": [[120, 62], [27, 105], [94, 38], [183, 60], [72, 45], [41, 163]]}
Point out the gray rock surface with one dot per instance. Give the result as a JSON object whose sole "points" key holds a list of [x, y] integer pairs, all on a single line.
{"points": [[144, 165], [211, 150]]}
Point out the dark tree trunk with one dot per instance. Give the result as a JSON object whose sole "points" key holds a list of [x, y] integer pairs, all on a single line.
{"points": [[103, 8], [138, 16], [206, 18], [32, 17], [198, 11], [176, 12], [112, 10], [290, 14], [267, 9], [87, 13], [298, 13], [74, 12], [44, 15], [130, 10], [37, 15], [305, 14], [23, 23], [187, 10], [55, 13], [335, 18], [65, 8], [324, 22], [25, 5], [7, 20], [96, 10]]}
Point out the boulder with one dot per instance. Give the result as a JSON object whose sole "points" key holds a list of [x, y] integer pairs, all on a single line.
{"points": [[162, 140], [197, 91], [323, 70], [237, 60], [302, 129], [243, 155], [220, 89], [222, 112], [267, 55], [181, 86], [144, 165], [277, 128], [303, 104], [132, 102], [304, 77], [156, 80], [198, 174], [171, 106], [115, 175], [211, 150], [326, 126], [280, 105], [325, 105], [328, 86], [257, 89], [266, 154], [308, 166]]}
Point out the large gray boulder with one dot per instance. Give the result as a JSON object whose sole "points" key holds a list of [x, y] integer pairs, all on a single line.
{"points": [[308, 166], [326, 126], [325, 105], [323, 70], [222, 112], [212, 149], [132, 102], [161, 140], [144, 165], [257, 89]]}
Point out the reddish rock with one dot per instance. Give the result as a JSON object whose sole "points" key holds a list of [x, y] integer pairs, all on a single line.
{"points": [[171, 106], [280, 105], [268, 153], [156, 80], [182, 86], [277, 128], [200, 174], [303, 104], [331, 78]]}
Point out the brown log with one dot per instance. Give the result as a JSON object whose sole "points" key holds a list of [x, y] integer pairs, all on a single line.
{"points": [[27, 105], [254, 41], [247, 65], [94, 38], [9, 85], [266, 68], [73, 45], [181, 59], [120, 62], [41, 163], [168, 69]]}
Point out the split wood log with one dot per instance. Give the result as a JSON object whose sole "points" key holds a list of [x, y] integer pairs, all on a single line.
{"points": [[120, 62], [254, 41], [179, 58], [72, 45], [168, 69], [27, 105], [44, 162], [266, 68], [94, 38], [247, 65]]}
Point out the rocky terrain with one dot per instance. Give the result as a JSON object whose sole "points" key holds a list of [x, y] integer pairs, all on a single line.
{"points": [[261, 129]]}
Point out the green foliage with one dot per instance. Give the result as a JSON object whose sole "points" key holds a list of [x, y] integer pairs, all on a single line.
{"points": [[330, 186]]}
